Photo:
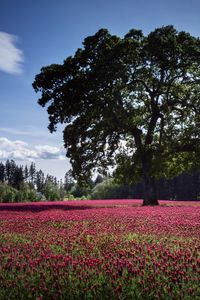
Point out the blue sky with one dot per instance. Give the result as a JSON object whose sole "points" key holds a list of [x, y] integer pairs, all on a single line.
{"points": [[36, 33]]}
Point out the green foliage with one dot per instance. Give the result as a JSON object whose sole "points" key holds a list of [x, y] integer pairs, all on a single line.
{"points": [[62, 191], [27, 184], [78, 191], [131, 102], [7, 193], [70, 197], [69, 181], [106, 189], [51, 191], [26, 193]]}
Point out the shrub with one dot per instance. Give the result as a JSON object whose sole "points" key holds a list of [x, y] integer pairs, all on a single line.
{"points": [[7, 193], [80, 191], [51, 191], [106, 189]]}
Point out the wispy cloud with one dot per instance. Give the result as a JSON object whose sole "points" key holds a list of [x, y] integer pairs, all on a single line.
{"points": [[19, 150], [11, 58], [33, 133]]}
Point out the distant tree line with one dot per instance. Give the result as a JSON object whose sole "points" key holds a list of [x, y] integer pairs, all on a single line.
{"points": [[26, 183], [186, 186]]}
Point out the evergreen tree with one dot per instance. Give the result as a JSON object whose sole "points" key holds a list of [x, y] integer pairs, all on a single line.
{"points": [[2, 172], [69, 180], [32, 173], [17, 177], [26, 173], [39, 181]]}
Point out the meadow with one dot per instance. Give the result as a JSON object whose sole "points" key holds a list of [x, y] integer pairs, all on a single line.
{"points": [[98, 249]]}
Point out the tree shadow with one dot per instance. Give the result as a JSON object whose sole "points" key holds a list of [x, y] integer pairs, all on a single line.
{"points": [[41, 207]]}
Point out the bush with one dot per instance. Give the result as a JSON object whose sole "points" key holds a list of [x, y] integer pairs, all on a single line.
{"points": [[26, 193], [7, 193], [80, 191], [40, 197], [71, 197], [51, 191], [106, 189]]}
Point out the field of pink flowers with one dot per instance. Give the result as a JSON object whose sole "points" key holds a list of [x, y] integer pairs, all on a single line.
{"points": [[113, 249]]}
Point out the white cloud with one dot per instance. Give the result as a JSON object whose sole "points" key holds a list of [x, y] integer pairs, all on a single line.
{"points": [[11, 58], [19, 150], [49, 152]]}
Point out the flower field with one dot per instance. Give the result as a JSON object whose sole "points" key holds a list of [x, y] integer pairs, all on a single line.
{"points": [[100, 249]]}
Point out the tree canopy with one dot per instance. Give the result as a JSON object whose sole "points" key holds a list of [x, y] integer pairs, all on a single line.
{"points": [[130, 102]]}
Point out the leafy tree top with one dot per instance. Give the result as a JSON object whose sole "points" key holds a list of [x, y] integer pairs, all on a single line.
{"points": [[131, 102]]}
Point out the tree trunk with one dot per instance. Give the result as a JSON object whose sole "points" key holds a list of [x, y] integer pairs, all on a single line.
{"points": [[150, 191], [149, 182]]}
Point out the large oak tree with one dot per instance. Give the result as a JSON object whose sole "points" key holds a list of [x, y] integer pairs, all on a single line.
{"points": [[132, 103]]}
